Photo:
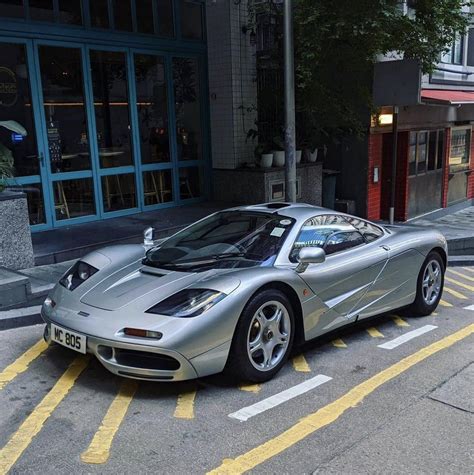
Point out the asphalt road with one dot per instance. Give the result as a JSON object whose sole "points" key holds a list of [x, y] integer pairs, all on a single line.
{"points": [[362, 408]]}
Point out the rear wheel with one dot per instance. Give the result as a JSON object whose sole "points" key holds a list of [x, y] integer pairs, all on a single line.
{"points": [[429, 285], [263, 337]]}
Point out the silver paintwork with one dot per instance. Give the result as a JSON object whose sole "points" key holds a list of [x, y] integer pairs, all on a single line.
{"points": [[350, 285]]}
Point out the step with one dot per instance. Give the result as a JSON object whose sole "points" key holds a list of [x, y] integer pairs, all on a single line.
{"points": [[14, 288]]}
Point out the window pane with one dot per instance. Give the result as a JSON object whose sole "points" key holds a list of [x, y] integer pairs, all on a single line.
{"points": [[63, 93], [99, 11], [457, 50], [12, 8], [74, 198], [123, 15], [460, 148], [191, 19], [145, 16], [188, 110], [189, 183], [165, 17], [41, 10], [70, 12], [422, 144], [152, 108], [157, 187], [342, 241], [15, 105], [118, 192], [368, 230], [432, 151], [439, 163], [412, 154], [109, 81]]}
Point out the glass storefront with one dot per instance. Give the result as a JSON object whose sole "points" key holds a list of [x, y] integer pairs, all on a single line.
{"points": [[103, 129]]}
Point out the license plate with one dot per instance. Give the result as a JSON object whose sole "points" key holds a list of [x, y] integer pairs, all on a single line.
{"points": [[74, 341]]}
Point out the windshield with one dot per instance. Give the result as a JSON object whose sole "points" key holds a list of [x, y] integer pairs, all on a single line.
{"points": [[230, 239]]}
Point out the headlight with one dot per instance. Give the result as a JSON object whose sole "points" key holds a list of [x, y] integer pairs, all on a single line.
{"points": [[77, 274], [188, 303]]}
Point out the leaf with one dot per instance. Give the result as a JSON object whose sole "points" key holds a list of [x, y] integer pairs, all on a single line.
{"points": [[14, 127]]}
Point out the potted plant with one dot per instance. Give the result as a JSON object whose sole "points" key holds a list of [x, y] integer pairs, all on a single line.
{"points": [[6, 157], [279, 152], [262, 151]]}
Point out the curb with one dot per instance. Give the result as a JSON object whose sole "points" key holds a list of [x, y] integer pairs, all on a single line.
{"points": [[22, 317], [460, 261]]}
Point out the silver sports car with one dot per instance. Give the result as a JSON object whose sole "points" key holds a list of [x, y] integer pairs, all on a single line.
{"points": [[237, 290]]}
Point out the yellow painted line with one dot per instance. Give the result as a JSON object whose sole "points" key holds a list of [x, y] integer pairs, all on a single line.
{"points": [[455, 293], [460, 284], [22, 438], [434, 314], [300, 364], [21, 364], [374, 333], [400, 322], [469, 269], [330, 413], [460, 274], [250, 388], [338, 343], [443, 303], [99, 449], [185, 405]]}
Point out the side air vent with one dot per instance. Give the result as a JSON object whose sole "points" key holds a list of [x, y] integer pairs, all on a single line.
{"points": [[276, 205]]}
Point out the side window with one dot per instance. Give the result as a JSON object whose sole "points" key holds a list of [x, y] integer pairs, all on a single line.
{"points": [[316, 231], [368, 230], [343, 240]]}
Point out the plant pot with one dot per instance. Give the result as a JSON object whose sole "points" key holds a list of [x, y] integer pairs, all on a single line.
{"points": [[312, 156], [298, 156], [266, 160], [279, 158]]}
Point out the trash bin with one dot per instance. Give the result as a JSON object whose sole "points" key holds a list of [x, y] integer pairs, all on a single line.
{"points": [[329, 188]]}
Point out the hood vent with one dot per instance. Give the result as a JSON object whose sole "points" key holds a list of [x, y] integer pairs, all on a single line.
{"points": [[151, 271]]}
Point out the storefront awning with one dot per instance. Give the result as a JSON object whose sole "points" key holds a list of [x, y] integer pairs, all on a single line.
{"points": [[439, 96]]}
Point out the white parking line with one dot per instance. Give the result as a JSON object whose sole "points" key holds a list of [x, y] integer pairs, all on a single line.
{"points": [[471, 307], [247, 412], [390, 345]]}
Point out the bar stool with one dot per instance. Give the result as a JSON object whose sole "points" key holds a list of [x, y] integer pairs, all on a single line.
{"points": [[61, 205], [110, 193]]}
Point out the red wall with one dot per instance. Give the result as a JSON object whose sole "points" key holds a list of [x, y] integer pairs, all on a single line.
{"points": [[470, 185], [374, 189]]}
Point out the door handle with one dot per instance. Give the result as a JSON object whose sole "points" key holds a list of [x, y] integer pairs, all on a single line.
{"points": [[385, 247]]}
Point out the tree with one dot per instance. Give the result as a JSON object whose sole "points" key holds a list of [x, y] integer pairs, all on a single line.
{"points": [[337, 44]]}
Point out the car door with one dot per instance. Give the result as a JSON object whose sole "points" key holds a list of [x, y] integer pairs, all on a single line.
{"points": [[352, 265]]}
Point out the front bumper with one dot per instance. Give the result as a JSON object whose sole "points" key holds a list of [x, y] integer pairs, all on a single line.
{"points": [[132, 360]]}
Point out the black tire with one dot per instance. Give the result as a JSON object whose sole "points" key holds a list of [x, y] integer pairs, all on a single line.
{"points": [[239, 366], [420, 308]]}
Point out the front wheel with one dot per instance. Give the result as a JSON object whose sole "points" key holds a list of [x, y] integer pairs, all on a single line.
{"points": [[429, 285], [263, 337]]}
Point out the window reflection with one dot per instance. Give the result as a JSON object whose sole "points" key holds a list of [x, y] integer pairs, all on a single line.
{"points": [[41, 10], [152, 108], [191, 19], [123, 15], [73, 198], [16, 112], [109, 80], [190, 183], [70, 12], [157, 187], [99, 10], [66, 126], [188, 110], [12, 8], [165, 17], [118, 192]]}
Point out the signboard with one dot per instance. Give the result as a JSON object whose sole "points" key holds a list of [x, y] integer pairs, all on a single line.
{"points": [[397, 83]]}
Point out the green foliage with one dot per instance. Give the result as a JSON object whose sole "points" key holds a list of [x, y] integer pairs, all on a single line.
{"points": [[337, 44], [6, 166]]}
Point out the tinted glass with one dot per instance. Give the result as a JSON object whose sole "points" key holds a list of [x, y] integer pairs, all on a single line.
{"points": [[123, 15], [368, 230], [191, 19], [118, 192], [70, 11], [63, 94], [342, 241], [190, 180], [144, 16], [433, 140], [422, 152], [152, 108], [109, 81], [41, 10], [157, 187], [99, 10], [460, 148], [12, 8], [74, 198], [165, 17], [412, 154], [188, 109], [439, 163]]}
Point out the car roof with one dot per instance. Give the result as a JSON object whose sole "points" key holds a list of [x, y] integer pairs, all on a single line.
{"points": [[291, 210]]}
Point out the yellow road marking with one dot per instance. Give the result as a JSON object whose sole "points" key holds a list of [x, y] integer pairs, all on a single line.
{"points": [[300, 364], [330, 413], [400, 322], [185, 405], [22, 438], [99, 449], [460, 284], [469, 269], [250, 388], [21, 364], [338, 343], [460, 274], [455, 293], [374, 333], [443, 303], [434, 314]]}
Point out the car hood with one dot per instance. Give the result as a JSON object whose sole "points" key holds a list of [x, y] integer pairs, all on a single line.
{"points": [[145, 286]]}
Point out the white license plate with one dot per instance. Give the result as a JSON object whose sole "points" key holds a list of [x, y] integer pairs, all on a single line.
{"points": [[74, 341]]}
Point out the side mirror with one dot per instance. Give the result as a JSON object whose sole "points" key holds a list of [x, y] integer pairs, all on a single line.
{"points": [[149, 237], [309, 255]]}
